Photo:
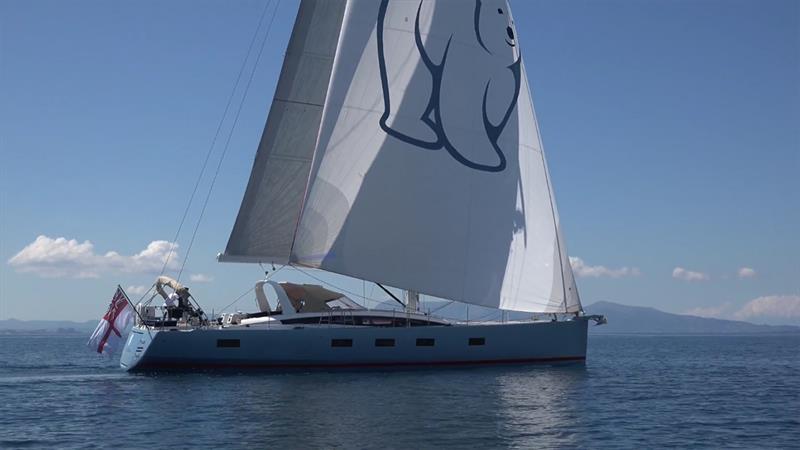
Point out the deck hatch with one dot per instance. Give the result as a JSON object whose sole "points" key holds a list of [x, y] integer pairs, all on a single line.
{"points": [[228, 343]]}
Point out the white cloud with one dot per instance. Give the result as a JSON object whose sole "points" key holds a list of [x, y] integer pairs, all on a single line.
{"points": [[775, 309], [582, 269], [688, 275], [136, 290], [61, 257], [746, 272], [771, 306], [201, 278]]}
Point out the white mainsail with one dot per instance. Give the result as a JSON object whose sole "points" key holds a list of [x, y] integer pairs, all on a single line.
{"points": [[428, 169], [267, 219]]}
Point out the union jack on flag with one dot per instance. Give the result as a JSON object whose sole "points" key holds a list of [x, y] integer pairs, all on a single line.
{"points": [[109, 332]]}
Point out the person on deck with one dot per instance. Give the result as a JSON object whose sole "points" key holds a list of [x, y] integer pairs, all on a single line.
{"points": [[173, 307]]}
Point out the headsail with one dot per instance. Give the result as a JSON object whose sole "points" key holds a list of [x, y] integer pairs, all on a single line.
{"points": [[428, 172], [267, 219]]}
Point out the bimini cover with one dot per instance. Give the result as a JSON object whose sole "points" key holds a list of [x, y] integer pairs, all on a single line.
{"points": [[309, 297]]}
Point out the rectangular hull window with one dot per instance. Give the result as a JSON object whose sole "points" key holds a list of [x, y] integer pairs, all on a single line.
{"points": [[341, 342], [228, 343], [384, 342], [477, 341], [425, 342]]}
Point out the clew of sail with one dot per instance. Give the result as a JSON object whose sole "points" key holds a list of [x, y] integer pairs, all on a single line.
{"points": [[428, 171]]}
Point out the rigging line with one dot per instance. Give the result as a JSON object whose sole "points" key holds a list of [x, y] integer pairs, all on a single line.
{"points": [[250, 290], [330, 284], [441, 307], [334, 286], [490, 313], [237, 299], [174, 242], [145, 294], [228, 140], [394, 297]]}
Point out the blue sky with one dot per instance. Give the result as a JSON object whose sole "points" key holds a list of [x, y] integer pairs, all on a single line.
{"points": [[671, 130]]}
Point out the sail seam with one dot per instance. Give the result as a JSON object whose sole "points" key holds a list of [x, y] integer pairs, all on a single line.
{"points": [[283, 100], [319, 131], [308, 53], [288, 158]]}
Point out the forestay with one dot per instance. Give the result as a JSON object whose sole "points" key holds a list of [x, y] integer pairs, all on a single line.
{"points": [[428, 172]]}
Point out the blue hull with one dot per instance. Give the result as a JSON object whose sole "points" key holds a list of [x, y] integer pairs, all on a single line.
{"points": [[340, 347]]}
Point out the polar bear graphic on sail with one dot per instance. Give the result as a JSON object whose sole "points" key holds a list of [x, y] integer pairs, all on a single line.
{"points": [[426, 71]]}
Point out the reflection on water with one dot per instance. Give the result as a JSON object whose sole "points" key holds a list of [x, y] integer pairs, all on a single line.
{"points": [[536, 405], [633, 392]]}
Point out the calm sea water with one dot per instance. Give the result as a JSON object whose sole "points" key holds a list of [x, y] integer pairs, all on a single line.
{"points": [[635, 391]]}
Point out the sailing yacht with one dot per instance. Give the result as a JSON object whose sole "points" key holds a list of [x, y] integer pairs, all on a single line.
{"points": [[401, 148]]}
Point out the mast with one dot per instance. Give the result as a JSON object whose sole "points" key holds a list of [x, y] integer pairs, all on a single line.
{"points": [[412, 300]]}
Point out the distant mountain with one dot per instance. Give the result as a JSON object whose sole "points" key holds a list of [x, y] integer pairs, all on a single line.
{"points": [[637, 319], [14, 326]]}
